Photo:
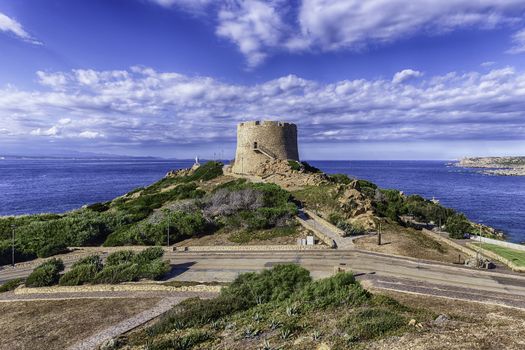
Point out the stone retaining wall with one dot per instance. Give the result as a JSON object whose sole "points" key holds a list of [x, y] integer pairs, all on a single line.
{"points": [[495, 256], [241, 248], [327, 240], [116, 288], [445, 240], [325, 223]]}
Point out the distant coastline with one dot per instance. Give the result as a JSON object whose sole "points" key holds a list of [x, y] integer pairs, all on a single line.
{"points": [[502, 166]]}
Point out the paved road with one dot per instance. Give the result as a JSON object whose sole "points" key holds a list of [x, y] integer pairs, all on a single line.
{"points": [[408, 275], [398, 273]]}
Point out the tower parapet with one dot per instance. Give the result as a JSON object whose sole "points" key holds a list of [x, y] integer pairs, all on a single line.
{"points": [[258, 141]]}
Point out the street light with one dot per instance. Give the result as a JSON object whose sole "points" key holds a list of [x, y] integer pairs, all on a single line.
{"points": [[13, 248], [167, 212]]}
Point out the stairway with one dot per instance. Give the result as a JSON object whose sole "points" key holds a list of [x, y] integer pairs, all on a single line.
{"points": [[263, 150]]}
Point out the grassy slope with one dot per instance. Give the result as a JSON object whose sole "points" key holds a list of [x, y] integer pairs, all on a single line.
{"points": [[516, 256], [281, 309]]}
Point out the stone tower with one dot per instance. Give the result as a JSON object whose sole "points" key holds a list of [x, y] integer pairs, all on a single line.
{"points": [[259, 141]]}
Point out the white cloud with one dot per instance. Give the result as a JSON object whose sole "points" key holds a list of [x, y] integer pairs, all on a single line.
{"points": [[260, 28], [52, 131], [404, 75], [488, 64], [54, 80], [8, 24], [518, 40], [144, 107], [90, 134], [336, 24], [189, 4], [254, 26]]}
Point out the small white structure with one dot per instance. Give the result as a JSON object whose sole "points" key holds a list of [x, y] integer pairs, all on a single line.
{"points": [[310, 240]]}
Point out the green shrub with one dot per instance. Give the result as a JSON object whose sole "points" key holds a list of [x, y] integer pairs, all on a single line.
{"points": [[207, 171], [94, 260], [79, 275], [181, 342], [295, 165], [47, 274], [154, 270], [341, 289], [366, 184], [11, 285], [52, 248], [310, 168], [370, 323], [351, 229], [197, 312], [458, 226], [275, 284], [148, 255], [340, 178], [113, 274], [120, 257], [98, 207]]}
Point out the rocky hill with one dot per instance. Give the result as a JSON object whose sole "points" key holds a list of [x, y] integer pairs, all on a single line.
{"points": [[507, 166]]}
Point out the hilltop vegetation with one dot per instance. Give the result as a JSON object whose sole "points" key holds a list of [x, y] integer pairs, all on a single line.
{"points": [[184, 203], [279, 308], [198, 202], [356, 205]]}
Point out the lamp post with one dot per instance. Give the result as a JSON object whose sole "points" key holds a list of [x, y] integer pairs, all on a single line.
{"points": [[13, 247], [169, 224]]}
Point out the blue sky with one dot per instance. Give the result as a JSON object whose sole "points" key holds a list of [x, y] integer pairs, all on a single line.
{"points": [[381, 79]]}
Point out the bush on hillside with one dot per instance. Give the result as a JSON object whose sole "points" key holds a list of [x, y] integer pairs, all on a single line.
{"points": [[79, 275], [114, 274], [458, 226], [82, 272], [341, 289], [371, 323], [340, 178], [47, 274], [120, 257], [11, 285], [52, 248], [148, 255], [276, 284]]}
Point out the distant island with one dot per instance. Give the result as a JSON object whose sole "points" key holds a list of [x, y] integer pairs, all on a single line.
{"points": [[504, 166]]}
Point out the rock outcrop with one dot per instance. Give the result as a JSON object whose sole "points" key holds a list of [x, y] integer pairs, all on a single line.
{"points": [[505, 166]]}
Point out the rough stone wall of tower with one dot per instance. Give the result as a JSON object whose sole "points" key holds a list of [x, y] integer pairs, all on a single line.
{"points": [[259, 141]]}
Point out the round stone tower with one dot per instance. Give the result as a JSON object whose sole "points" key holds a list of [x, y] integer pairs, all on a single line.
{"points": [[259, 141]]}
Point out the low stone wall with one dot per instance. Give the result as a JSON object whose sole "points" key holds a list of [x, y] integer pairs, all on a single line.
{"points": [[325, 223], [95, 250], [495, 256], [243, 248], [445, 240], [324, 238], [498, 242], [139, 287]]}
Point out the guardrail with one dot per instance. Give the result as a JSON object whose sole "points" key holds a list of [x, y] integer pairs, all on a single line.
{"points": [[505, 244]]}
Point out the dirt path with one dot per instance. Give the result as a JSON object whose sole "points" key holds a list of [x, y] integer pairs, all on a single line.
{"points": [[125, 326]]}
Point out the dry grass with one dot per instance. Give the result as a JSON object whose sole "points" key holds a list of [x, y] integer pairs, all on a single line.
{"points": [[222, 237], [58, 324], [472, 326], [410, 242]]}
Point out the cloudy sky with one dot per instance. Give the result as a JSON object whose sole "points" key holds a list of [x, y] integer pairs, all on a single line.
{"points": [[375, 79]]}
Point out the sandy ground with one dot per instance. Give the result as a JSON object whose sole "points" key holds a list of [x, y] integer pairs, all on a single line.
{"points": [[472, 326], [410, 242], [57, 324]]}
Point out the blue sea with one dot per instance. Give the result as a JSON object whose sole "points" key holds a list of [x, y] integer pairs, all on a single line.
{"points": [[29, 186]]}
